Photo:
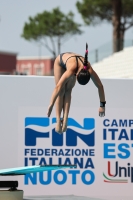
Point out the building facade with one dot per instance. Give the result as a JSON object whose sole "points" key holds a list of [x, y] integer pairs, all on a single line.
{"points": [[7, 63], [35, 66]]}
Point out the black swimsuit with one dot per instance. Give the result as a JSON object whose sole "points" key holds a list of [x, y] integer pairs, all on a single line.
{"points": [[62, 64]]}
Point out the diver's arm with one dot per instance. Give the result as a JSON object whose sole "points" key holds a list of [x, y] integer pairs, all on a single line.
{"points": [[100, 87], [63, 80], [96, 80]]}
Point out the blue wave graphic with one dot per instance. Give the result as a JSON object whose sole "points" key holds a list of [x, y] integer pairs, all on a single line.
{"points": [[88, 123], [40, 121], [72, 138], [36, 127]]}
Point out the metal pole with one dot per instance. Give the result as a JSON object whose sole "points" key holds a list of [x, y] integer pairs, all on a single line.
{"points": [[96, 55]]}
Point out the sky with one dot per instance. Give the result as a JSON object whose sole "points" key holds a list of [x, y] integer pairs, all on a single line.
{"points": [[14, 13]]}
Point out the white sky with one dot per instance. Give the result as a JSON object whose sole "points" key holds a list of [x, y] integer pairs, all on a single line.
{"points": [[14, 13]]}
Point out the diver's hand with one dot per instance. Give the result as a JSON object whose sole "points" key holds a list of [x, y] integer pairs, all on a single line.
{"points": [[102, 111], [49, 110]]}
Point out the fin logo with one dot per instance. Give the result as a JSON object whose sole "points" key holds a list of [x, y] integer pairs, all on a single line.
{"points": [[36, 127]]}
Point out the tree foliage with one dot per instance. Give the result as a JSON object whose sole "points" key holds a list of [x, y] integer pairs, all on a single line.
{"points": [[54, 25], [94, 11], [118, 12]]}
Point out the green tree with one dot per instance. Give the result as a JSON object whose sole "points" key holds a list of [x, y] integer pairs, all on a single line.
{"points": [[117, 12], [51, 29]]}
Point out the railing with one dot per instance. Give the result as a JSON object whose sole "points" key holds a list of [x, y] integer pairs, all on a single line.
{"points": [[105, 51]]}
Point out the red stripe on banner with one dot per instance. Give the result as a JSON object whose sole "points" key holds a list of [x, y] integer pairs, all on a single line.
{"points": [[109, 169]]}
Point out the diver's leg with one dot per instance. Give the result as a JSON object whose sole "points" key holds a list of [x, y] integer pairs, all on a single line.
{"points": [[58, 72], [67, 102], [59, 107]]}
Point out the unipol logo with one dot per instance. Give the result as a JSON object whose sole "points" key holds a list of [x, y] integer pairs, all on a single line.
{"points": [[36, 128]]}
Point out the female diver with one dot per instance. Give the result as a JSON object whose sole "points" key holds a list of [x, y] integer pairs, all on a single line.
{"points": [[67, 68]]}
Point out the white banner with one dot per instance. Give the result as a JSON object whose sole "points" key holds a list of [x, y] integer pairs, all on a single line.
{"points": [[100, 147]]}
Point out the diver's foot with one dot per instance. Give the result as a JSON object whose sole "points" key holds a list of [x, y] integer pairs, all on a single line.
{"points": [[58, 128], [64, 127]]}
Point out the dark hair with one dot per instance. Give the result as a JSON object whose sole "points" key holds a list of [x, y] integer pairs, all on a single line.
{"points": [[84, 75]]}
